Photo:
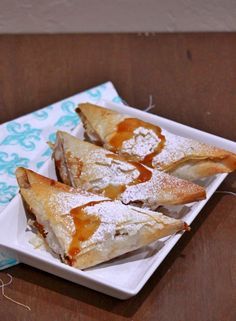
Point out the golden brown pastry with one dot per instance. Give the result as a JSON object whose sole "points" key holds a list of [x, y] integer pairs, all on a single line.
{"points": [[153, 146], [85, 229], [82, 164]]}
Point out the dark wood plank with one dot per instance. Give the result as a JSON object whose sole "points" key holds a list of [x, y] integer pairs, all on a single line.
{"points": [[192, 80], [191, 76]]}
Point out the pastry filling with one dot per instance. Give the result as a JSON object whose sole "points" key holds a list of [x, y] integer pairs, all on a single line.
{"points": [[90, 133]]}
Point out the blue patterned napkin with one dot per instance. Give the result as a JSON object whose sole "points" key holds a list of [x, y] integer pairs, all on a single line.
{"points": [[23, 140]]}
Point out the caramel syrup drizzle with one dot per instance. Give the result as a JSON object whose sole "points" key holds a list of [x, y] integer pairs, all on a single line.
{"points": [[85, 226], [145, 174], [125, 131]]}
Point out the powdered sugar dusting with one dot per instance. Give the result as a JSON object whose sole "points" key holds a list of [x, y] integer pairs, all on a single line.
{"points": [[102, 171], [150, 193], [177, 148], [159, 190], [114, 216], [144, 142], [114, 212], [63, 202]]}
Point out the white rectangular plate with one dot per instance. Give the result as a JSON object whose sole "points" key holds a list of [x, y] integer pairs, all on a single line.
{"points": [[122, 277]]}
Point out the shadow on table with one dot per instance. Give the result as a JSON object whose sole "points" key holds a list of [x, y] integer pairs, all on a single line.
{"points": [[127, 308]]}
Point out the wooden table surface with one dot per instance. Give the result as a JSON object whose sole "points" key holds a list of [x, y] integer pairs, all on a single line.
{"points": [[192, 78]]}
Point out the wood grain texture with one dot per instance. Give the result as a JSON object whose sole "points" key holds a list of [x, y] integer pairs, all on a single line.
{"points": [[192, 80]]}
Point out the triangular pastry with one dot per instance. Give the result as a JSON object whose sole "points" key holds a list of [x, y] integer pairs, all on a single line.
{"points": [[82, 164], [153, 146], [86, 229]]}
